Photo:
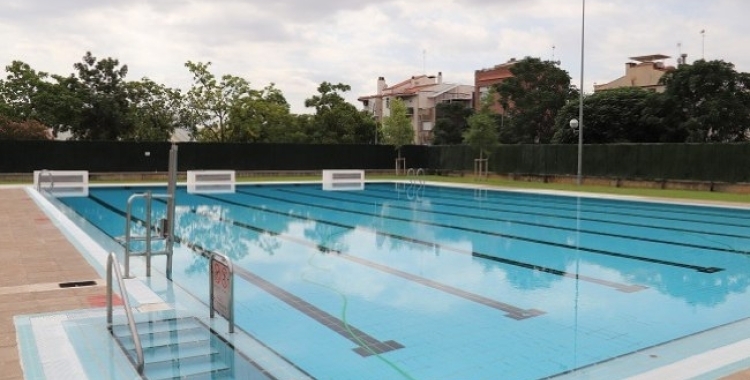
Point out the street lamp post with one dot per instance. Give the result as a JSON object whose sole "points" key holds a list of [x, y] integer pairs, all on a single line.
{"points": [[580, 103]]}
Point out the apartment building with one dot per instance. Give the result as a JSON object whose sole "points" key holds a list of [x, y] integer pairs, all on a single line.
{"points": [[645, 73], [421, 94], [484, 79]]}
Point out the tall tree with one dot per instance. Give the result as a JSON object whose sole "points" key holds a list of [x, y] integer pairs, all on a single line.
{"points": [[30, 95], [156, 110], [397, 129], [482, 133], [532, 97], [101, 89], [711, 99], [19, 90], [255, 117], [450, 123], [336, 120], [210, 101], [614, 116]]}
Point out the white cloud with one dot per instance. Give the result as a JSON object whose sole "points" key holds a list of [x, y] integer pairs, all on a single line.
{"points": [[298, 44]]}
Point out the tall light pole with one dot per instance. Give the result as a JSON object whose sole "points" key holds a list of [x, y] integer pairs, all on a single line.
{"points": [[703, 44], [580, 103]]}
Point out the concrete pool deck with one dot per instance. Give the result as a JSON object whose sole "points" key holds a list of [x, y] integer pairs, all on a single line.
{"points": [[35, 257]]}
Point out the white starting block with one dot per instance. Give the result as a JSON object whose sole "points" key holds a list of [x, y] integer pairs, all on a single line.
{"points": [[343, 180], [210, 181], [62, 183]]}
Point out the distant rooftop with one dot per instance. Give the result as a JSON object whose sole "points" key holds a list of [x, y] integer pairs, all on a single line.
{"points": [[650, 58]]}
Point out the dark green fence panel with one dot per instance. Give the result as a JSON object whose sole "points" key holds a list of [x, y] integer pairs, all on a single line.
{"points": [[108, 156], [701, 162]]}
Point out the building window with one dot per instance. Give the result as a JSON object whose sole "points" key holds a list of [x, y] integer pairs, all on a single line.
{"points": [[388, 103]]}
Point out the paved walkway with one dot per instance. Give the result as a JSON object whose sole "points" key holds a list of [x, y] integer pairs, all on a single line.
{"points": [[35, 258]]}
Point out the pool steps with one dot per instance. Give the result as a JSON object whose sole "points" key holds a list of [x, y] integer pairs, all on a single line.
{"points": [[178, 349]]}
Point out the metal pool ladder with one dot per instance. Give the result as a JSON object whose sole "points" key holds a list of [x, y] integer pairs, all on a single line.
{"points": [[164, 229]]}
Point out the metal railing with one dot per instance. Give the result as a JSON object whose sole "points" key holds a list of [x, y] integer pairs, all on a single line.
{"points": [[165, 233], [39, 180], [113, 266]]}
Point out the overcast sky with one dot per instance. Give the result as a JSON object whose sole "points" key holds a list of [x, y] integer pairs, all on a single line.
{"points": [[297, 44]]}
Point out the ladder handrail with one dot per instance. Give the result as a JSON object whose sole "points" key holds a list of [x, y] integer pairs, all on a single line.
{"points": [[39, 180], [420, 176], [111, 264], [148, 196]]}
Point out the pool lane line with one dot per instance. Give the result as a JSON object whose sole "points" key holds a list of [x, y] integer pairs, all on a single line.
{"points": [[659, 227], [607, 212], [698, 268], [374, 346], [534, 267], [513, 312], [592, 232], [344, 307]]}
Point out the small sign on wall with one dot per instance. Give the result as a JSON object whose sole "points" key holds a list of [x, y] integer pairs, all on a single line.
{"points": [[222, 288]]}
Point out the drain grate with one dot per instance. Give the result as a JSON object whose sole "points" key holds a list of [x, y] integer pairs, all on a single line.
{"points": [[76, 284]]}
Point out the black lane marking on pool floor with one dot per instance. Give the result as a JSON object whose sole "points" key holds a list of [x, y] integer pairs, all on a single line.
{"points": [[617, 286], [558, 216], [513, 312], [700, 221], [698, 268], [592, 232], [367, 345]]}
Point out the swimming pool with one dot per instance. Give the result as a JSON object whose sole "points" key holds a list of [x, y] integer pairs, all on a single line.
{"points": [[398, 282]]}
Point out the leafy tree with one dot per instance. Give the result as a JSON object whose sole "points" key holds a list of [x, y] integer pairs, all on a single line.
{"points": [[335, 120], [210, 101], [260, 115], [100, 89], [156, 110], [711, 100], [19, 90], [450, 123], [482, 133], [397, 129], [28, 95], [532, 97], [618, 115], [23, 130]]}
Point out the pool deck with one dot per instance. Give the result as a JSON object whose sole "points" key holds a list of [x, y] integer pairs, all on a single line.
{"points": [[35, 257]]}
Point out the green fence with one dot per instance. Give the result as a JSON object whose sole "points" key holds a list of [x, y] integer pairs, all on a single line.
{"points": [[699, 162]]}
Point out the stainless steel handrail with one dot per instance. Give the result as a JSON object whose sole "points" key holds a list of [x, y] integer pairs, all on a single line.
{"points": [[420, 176], [112, 264], [51, 180], [169, 236]]}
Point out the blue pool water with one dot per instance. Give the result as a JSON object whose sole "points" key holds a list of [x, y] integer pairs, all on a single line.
{"points": [[449, 283]]}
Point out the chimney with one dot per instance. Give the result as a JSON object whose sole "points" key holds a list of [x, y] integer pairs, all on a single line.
{"points": [[440, 77], [381, 85]]}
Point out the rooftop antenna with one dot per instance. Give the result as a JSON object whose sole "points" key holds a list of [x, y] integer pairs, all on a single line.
{"points": [[553, 57]]}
